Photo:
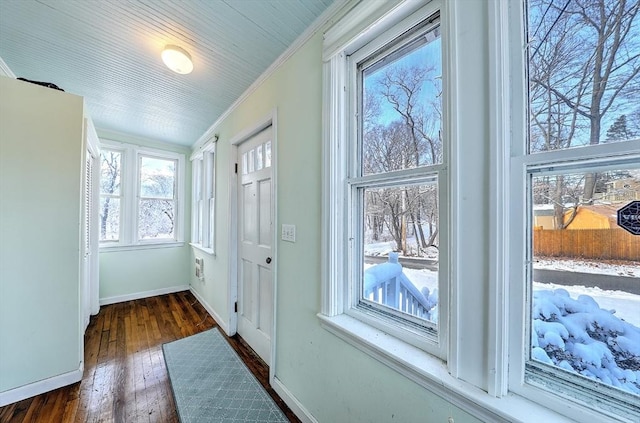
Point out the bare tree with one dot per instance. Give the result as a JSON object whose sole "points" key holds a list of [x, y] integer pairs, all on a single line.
{"points": [[109, 184], [584, 61]]}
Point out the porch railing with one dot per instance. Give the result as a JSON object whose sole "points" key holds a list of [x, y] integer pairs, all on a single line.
{"points": [[385, 283]]}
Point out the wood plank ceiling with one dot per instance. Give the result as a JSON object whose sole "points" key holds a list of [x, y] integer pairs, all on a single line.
{"points": [[108, 51]]}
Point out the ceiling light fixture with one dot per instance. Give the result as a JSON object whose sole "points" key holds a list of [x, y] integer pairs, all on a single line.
{"points": [[177, 59]]}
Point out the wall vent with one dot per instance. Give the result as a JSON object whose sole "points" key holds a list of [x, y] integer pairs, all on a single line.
{"points": [[200, 268]]}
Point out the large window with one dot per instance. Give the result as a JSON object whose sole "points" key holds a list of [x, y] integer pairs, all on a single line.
{"points": [[580, 169], [203, 198], [140, 196], [388, 185], [396, 168]]}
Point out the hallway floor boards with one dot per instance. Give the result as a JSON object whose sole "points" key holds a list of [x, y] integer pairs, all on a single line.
{"points": [[125, 378]]}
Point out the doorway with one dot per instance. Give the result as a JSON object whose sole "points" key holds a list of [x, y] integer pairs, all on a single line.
{"points": [[255, 259]]}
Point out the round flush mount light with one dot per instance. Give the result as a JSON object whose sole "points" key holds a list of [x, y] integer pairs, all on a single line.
{"points": [[177, 59]]}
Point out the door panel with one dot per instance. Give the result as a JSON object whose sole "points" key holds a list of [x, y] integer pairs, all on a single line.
{"points": [[246, 298], [264, 213], [255, 279], [266, 301]]}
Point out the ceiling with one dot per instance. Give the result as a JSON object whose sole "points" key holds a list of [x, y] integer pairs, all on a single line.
{"points": [[108, 51]]}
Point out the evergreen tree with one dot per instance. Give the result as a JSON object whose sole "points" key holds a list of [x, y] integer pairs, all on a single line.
{"points": [[619, 131]]}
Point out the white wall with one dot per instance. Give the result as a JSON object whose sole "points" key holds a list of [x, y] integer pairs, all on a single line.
{"points": [[41, 153]]}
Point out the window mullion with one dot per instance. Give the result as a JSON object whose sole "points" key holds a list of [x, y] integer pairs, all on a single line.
{"points": [[334, 244], [133, 203]]}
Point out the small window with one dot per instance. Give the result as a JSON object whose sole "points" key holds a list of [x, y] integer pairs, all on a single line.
{"points": [[203, 199], [139, 196], [157, 202], [110, 194]]}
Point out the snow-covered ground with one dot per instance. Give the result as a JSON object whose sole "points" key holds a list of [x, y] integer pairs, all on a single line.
{"points": [[631, 269], [626, 305]]}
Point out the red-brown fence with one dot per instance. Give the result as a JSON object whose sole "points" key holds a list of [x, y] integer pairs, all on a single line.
{"points": [[604, 244]]}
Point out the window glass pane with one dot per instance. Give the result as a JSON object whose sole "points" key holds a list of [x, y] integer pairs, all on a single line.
{"points": [[252, 160], [259, 162], [198, 175], [156, 219], [200, 221], [109, 218], [401, 107], [401, 249], [157, 177], [267, 154], [110, 172], [583, 65], [585, 315], [245, 163]]}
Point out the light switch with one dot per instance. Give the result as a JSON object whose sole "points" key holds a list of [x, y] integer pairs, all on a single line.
{"points": [[289, 233]]}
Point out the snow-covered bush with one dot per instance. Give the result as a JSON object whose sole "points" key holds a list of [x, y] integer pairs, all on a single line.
{"points": [[578, 336]]}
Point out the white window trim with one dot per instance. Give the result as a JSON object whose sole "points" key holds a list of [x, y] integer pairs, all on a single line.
{"points": [[339, 72], [129, 177], [435, 345], [511, 124], [556, 393], [500, 399], [206, 156], [363, 24]]}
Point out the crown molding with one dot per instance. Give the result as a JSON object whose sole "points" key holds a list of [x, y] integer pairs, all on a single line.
{"points": [[5, 70]]}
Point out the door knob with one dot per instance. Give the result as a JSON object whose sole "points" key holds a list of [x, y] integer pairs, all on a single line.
{"points": [[268, 260]]}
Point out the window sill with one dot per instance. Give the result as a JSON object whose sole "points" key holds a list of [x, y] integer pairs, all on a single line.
{"points": [[150, 246], [209, 251], [432, 374]]}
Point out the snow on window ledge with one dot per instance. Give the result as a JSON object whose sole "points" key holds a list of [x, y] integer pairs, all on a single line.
{"points": [[432, 374]]}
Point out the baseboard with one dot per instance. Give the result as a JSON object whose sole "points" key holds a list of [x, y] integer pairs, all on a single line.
{"points": [[223, 325], [145, 294], [40, 387], [293, 403]]}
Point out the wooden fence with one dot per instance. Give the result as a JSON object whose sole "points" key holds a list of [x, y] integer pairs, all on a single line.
{"points": [[604, 244]]}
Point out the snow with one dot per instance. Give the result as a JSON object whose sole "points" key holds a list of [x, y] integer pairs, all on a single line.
{"points": [[584, 330], [576, 334], [631, 269], [625, 305]]}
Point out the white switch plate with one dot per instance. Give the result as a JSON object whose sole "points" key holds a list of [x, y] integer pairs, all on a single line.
{"points": [[289, 233]]}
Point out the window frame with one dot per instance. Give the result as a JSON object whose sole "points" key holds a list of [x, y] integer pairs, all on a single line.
{"points": [[130, 196], [139, 197], [538, 382], [403, 327], [568, 394], [203, 197], [340, 311], [120, 196]]}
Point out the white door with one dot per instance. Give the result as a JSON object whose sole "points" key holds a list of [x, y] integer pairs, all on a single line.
{"points": [[255, 233]]}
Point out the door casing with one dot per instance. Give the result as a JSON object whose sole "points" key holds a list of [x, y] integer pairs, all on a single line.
{"points": [[268, 120]]}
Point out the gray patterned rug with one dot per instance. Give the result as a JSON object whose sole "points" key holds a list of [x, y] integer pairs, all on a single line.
{"points": [[211, 384]]}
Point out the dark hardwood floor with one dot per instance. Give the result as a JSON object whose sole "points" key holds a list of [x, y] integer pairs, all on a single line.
{"points": [[125, 378]]}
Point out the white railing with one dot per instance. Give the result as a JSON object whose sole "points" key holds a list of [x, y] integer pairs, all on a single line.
{"points": [[386, 284]]}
